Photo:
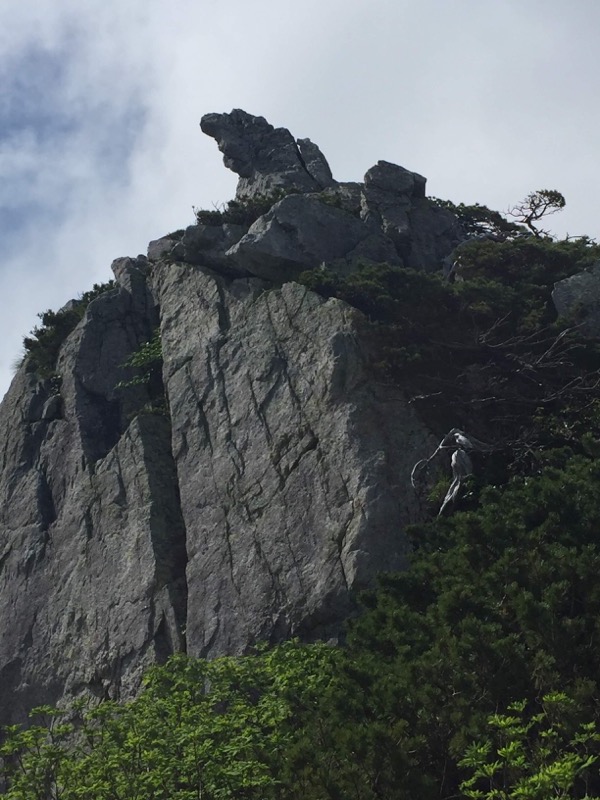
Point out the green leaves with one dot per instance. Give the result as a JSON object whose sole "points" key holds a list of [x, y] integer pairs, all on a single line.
{"points": [[43, 344], [212, 730], [539, 754], [148, 357], [536, 205]]}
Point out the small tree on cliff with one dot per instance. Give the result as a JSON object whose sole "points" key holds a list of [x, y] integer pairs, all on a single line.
{"points": [[536, 205]]}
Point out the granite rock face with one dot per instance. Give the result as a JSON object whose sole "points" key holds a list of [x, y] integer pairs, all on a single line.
{"points": [[267, 159], [92, 551], [258, 478], [277, 481], [401, 225], [301, 232]]}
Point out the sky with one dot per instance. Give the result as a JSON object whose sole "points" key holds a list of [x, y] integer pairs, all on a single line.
{"points": [[100, 103]]}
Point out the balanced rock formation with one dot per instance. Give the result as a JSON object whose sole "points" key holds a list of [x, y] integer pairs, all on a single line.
{"points": [[267, 159], [247, 487], [386, 218]]}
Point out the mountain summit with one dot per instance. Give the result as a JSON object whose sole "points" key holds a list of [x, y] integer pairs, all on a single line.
{"points": [[199, 455]]}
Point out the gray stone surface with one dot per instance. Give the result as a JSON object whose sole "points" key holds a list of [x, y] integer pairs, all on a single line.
{"points": [[579, 297], [293, 463], [162, 248], [393, 199], [92, 557], [434, 234], [279, 481], [300, 232], [267, 159]]}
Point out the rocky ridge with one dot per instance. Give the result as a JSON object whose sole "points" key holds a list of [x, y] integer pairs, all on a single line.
{"points": [[257, 481]]}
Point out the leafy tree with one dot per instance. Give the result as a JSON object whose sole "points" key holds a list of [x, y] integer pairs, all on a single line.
{"points": [[499, 603], [535, 756], [213, 730], [477, 219], [536, 205]]}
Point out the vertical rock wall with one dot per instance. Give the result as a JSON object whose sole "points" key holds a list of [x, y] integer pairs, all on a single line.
{"points": [[250, 489], [277, 482]]}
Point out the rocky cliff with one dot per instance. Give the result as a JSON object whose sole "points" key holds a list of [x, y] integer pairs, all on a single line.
{"points": [[246, 489]]}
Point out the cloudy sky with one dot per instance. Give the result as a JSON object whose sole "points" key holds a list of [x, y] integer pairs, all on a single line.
{"points": [[100, 149]]}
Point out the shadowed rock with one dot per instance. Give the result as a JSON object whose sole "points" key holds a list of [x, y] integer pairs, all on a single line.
{"points": [[393, 198], [300, 233], [267, 159]]}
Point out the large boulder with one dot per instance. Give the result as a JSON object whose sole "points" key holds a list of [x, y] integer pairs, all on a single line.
{"points": [[267, 159], [301, 232], [387, 197], [434, 234], [393, 198]]}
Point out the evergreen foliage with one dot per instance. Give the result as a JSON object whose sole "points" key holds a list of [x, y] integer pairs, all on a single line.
{"points": [[486, 353], [241, 212], [43, 344], [477, 219]]}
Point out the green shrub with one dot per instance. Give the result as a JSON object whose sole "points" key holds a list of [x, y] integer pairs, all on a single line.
{"points": [[486, 353], [214, 730], [42, 346], [147, 357], [477, 219], [550, 753], [147, 362], [241, 212]]}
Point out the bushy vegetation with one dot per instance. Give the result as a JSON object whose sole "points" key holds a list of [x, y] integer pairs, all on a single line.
{"points": [[534, 756], [44, 342], [146, 363], [241, 212], [501, 605], [487, 352], [148, 358], [478, 219]]}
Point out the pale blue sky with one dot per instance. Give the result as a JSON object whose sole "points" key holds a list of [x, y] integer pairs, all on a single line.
{"points": [[100, 149]]}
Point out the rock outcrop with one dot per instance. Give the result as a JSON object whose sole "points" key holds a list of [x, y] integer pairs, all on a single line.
{"points": [[267, 159], [579, 297], [388, 215], [301, 232], [248, 490]]}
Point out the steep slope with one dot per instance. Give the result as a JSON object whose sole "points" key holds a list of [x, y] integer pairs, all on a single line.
{"points": [[248, 490]]}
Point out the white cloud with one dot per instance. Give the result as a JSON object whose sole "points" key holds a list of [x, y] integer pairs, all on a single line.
{"points": [[100, 149]]}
